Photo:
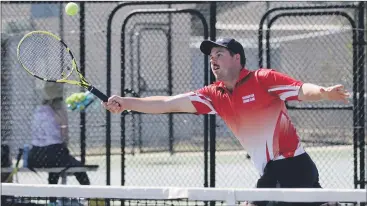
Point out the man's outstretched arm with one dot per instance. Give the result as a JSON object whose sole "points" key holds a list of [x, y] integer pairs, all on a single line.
{"points": [[152, 105], [312, 92], [288, 88]]}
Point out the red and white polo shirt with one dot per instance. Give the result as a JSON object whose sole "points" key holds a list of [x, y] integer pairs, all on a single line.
{"points": [[255, 112]]}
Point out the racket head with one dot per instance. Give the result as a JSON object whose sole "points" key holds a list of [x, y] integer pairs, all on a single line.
{"points": [[45, 56]]}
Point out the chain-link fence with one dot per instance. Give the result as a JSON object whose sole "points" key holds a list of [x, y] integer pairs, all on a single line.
{"points": [[157, 53], [18, 94], [313, 48]]}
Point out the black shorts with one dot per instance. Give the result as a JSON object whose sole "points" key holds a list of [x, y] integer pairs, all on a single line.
{"points": [[294, 172]]}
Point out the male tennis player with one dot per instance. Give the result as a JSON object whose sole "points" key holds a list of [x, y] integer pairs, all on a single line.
{"points": [[252, 105]]}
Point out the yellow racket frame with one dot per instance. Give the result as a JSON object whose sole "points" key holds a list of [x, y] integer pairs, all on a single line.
{"points": [[82, 82]]}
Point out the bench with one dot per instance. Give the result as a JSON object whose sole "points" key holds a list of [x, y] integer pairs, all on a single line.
{"points": [[64, 171]]}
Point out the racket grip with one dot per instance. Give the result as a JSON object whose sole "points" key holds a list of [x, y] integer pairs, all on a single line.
{"points": [[98, 93]]}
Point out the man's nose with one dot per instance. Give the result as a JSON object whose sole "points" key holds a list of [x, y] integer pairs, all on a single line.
{"points": [[213, 59]]}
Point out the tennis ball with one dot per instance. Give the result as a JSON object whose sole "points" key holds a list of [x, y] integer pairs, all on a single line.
{"points": [[69, 100], [71, 8], [73, 99], [80, 97]]}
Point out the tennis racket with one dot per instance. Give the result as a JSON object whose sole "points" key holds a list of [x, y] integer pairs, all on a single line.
{"points": [[47, 57]]}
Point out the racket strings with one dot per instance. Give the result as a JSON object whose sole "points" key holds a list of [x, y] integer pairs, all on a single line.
{"points": [[45, 56]]}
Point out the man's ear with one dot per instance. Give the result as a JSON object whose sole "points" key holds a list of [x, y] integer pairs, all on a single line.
{"points": [[238, 57]]}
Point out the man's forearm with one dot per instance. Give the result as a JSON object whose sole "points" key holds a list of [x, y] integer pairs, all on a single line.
{"points": [[154, 104], [310, 92]]}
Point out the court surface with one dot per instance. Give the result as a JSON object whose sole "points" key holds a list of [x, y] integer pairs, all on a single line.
{"points": [[186, 169]]}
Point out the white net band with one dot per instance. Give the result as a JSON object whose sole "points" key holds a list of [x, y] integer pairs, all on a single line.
{"points": [[229, 196]]}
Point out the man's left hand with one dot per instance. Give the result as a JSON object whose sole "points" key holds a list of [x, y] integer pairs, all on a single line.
{"points": [[335, 93]]}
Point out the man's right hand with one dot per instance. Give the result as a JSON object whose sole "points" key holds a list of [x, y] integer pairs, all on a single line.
{"points": [[114, 104]]}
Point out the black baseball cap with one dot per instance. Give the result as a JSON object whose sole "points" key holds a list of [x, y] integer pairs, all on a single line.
{"points": [[228, 43]]}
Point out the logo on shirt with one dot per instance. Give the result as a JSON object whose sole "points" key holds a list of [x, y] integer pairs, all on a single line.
{"points": [[248, 98]]}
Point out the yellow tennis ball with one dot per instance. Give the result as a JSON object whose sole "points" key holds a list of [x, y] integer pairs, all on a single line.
{"points": [[69, 100], [71, 8]]}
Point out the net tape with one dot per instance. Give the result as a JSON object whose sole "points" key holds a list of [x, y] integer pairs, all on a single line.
{"points": [[228, 195]]}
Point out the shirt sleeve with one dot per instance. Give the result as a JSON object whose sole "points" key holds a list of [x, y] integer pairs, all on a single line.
{"points": [[285, 87], [201, 99]]}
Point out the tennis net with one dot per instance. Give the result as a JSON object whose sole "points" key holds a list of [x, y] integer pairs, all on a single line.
{"points": [[73, 195]]}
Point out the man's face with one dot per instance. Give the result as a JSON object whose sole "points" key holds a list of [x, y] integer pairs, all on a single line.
{"points": [[222, 63]]}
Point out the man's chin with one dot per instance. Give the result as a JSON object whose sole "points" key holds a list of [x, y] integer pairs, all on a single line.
{"points": [[218, 78]]}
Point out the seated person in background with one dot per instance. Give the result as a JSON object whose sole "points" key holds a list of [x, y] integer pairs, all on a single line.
{"points": [[50, 134]]}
